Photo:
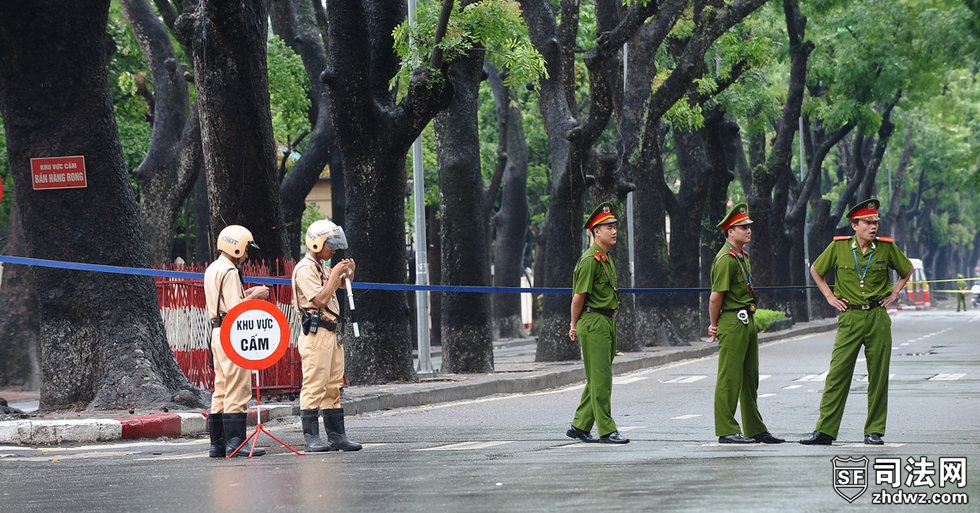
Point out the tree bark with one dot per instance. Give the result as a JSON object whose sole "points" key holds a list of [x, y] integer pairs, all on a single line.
{"points": [[373, 135], [231, 77], [467, 329], [19, 317], [512, 218], [103, 343], [165, 179], [295, 22]]}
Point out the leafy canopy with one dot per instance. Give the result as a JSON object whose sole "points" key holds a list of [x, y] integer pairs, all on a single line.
{"points": [[493, 25]]}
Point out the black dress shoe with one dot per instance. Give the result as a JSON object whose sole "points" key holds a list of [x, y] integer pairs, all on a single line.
{"points": [[582, 435], [873, 439], [613, 438], [817, 438], [766, 437], [737, 438]]}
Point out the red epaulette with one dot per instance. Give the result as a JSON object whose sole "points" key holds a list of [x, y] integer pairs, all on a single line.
{"points": [[842, 237], [885, 239]]}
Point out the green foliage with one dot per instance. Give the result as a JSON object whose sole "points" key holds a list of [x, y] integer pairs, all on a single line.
{"points": [[763, 318], [873, 50], [495, 25], [310, 214], [754, 44], [288, 86], [129, 81]]}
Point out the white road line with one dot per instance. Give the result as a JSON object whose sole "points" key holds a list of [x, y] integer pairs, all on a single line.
{"points": [[766, 395], [685, 379], [764, 376], [685, 417], [792, 387], [466, 446], [947, 377]]}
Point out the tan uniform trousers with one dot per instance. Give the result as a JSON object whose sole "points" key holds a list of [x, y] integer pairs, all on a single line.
{"points": [[232, 384], [323, 370]]}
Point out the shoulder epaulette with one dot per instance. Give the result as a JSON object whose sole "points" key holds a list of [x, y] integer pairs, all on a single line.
{"points": [[842, 237], [885, 239]]}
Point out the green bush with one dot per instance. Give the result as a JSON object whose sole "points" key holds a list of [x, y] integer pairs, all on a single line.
{"points": [[763, 317]]}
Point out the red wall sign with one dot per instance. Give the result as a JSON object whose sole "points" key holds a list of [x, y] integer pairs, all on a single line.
{"points": [[59, 172]]}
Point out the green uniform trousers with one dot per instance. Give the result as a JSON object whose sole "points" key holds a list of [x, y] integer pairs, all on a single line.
{"points": [[872, 329], [738, 377], [597, 334]]}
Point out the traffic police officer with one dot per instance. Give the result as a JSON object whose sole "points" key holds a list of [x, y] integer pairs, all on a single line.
{"points": [[595, 301], [322, 355], [731, 307], [232, 384], [861, 292]]}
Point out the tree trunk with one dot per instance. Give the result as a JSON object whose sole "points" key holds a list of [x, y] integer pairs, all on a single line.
{"points": [[373, 135], [467, 328], [164, 182], [686, 220], [294, 21], [19, 318], [232, 84], [511, 220], [103, 343]]}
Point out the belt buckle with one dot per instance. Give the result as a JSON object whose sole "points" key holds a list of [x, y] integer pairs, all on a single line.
{"points": [[743, 315]]}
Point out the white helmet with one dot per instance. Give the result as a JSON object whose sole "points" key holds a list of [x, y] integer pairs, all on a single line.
{"points": [[235, 239], [324, 233]]}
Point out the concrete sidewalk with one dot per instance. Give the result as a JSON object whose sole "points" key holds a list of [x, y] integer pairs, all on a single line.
{"points": [[515, 372]]}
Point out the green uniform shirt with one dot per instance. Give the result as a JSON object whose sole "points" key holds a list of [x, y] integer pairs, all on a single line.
{"points": [[845, 257], [733, 276], [595, 276]]}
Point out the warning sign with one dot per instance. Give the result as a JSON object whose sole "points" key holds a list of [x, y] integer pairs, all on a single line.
{"points": [[254, 334], [59, 172]]}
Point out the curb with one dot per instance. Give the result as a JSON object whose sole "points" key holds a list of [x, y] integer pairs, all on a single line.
{"points": [[157, 425]]}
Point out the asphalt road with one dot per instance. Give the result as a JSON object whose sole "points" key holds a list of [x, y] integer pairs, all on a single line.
{"points": [[509, 453]]}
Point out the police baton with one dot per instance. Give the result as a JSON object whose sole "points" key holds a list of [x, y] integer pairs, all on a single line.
{"points": [[353, 314]]}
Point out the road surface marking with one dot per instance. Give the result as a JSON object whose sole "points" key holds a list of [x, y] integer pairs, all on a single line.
{"points": [[685, 379], [466, 446]]}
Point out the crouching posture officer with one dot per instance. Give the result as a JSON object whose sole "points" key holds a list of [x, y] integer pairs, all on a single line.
{"points": [[862, 290], [731, 307], [223, 289], [593, 310], [315, 291]]}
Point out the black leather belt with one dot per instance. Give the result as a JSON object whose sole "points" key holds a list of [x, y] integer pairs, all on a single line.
{"points": [[750, 308], [604, 311], [863, 307]]}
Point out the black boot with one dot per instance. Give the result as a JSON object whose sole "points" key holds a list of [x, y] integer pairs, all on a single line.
{"points": [[311, 431], [235, 434], [333, 421], [216, 429]]}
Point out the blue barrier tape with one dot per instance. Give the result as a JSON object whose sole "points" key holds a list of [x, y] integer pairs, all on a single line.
{"points": [[451, 289]]}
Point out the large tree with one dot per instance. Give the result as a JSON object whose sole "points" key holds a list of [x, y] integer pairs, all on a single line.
{"points": [[511, 219], [228, 38], [102, 338], [374, 134], [173, 160], [467, 334]]}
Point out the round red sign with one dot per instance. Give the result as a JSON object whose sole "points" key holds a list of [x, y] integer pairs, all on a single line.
{"points": [[255, 334]]}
